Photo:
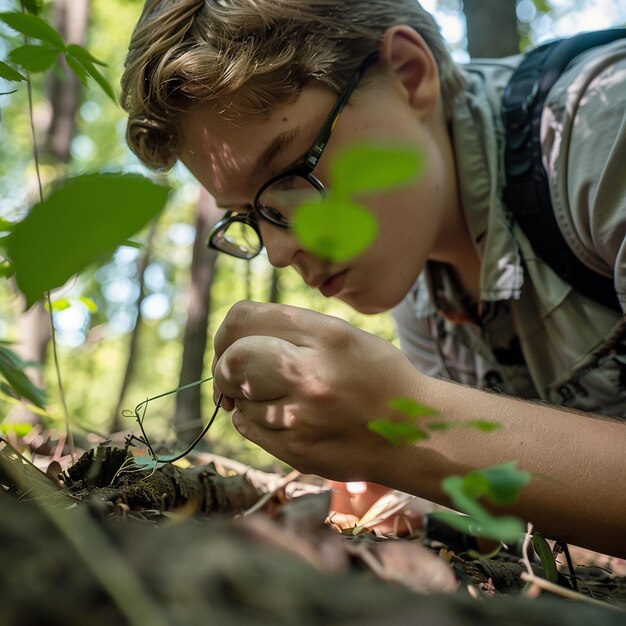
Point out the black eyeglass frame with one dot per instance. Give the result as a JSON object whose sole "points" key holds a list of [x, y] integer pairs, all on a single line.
{"points": [[303, 170]]}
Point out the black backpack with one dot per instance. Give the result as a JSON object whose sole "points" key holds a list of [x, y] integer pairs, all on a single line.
{"points": [[526, 192]]}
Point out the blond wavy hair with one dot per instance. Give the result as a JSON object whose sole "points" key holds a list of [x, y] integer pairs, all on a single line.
{"points": [[246, 57]]}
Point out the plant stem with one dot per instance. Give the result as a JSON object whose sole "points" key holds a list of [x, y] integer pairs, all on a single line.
{"points": [[29, 89], [57, 367], [546, 585], [70, 436]]}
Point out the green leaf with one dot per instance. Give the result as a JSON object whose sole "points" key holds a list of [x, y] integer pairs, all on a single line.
{"points": [[463, 500], [34, 58], [411, 408], [506, 529], [483, 425], [101, 80], [21, 430], [92, 307], [335, 230], [6, 226], [33, 26], [83, 55], [11, 368], [397, 432], [500, 483], [129, 243], [32, 6], [145, 462], [366, 168], [8, 73], [6, 270], [78, 68], [546, 557], [61, 304], [79, 223]]}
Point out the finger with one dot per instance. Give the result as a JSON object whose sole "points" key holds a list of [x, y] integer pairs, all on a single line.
{"points": [[259, 368], [273, 441], [293, 324], [275, 415], [226, 403]]}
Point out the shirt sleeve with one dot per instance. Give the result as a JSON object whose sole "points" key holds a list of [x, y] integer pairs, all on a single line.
{"points": [[584, 140]]}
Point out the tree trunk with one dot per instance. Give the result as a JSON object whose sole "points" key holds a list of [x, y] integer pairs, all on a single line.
{"points": [[491, 28], [63, 92], [133, 344], [274, 291], [188, 413]]}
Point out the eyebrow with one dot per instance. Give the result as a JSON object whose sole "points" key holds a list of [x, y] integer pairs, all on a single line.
{"points": [[276, 148]]}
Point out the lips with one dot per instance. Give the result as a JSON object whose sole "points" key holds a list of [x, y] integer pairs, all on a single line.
{"points": [[333, 285]]}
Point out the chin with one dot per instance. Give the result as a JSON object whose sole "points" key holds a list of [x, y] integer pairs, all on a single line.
{"points": [[372, 305]]}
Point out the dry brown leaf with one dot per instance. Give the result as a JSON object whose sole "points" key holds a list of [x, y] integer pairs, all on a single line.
{"points": [[408, 563]]}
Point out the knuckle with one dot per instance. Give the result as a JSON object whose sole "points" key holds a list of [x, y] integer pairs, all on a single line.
{"points": [[339, 334], [237, 315], [235, 359]]}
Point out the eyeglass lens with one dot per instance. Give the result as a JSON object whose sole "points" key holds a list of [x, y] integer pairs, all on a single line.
{"points": [[238, 239], [279, 200]]}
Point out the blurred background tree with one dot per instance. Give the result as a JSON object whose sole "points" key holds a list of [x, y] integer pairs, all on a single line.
{"points": [[141, 322]]}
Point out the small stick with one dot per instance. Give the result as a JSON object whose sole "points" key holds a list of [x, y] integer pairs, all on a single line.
{"points": [[546, 585], [270, 494]]}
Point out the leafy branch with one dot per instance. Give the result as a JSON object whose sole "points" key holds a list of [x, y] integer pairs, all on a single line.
{"points": [[82, 219], [500, 484], [39, 57]]}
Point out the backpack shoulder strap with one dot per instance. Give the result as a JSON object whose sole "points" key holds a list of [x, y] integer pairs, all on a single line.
{"points": [[526, 193]]}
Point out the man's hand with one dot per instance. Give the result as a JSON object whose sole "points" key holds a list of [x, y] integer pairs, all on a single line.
{"points": [[304, 385]]}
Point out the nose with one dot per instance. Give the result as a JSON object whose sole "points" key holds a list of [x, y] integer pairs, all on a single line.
{"points": [[280, 243]]}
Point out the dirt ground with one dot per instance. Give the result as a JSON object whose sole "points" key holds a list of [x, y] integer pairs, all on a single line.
{"points": [[114, 542]]}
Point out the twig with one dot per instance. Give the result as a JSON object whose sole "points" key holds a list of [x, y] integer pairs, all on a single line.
{"points": [[525, 547], [270, 494], [546, 585]]}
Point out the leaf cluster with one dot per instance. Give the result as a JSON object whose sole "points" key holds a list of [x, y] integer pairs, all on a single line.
{"points": [[341, 228], [406, 431], [41, 56], [500, 485]]}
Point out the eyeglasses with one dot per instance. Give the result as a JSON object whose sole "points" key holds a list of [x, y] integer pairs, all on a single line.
{"points": [[238, 234]]}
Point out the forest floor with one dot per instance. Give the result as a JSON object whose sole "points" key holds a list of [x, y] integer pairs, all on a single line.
{"points": [[112, 538]]}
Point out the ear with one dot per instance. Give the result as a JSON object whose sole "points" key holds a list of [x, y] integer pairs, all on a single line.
{"points": [[412, 63]]}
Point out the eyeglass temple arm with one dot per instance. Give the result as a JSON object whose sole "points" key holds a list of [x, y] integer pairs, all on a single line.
{"points": [[322, 139]]}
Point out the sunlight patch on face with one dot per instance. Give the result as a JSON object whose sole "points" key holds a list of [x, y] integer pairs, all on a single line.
{"points": [[210, 153]]}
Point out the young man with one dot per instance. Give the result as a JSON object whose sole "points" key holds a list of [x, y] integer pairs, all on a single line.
{"points": [[239, 90]]}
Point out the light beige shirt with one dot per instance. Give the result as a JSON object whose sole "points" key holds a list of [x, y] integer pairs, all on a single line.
{"points": [[536, 337]]}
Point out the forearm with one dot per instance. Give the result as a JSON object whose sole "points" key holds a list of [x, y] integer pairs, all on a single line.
{"points": [[578, 491]]}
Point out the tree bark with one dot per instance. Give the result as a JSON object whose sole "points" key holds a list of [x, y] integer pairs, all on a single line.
{"points": [[188, 412], [274, 291], [71, 18], [491, 28]]}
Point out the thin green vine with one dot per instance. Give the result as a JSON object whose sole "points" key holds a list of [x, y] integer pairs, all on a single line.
{"points": [[142, 407], [57, 367]]}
